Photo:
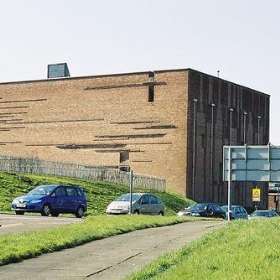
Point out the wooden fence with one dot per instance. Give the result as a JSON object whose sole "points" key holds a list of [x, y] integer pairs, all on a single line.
{"points": [[95, 173]]}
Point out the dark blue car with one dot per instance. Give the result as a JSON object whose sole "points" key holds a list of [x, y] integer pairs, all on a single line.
{"points": [[52, 199]]}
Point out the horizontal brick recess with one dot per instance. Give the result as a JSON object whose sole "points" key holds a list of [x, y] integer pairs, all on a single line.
{"points": [[157, 121]]}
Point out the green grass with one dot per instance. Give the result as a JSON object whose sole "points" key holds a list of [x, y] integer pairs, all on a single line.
{"points": [[96, 225], [99, 194], [15, 247], [241, 250]]}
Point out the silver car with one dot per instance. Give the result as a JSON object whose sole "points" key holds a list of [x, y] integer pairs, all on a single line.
{"points": [[236, 212], [142, 203]]}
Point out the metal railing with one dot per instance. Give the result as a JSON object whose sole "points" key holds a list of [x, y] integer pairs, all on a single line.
{"points": [[95, 173]]}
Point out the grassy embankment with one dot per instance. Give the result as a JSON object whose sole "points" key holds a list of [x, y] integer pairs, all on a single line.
{"points": [[95, 226], [242, 250], [99, 194]]}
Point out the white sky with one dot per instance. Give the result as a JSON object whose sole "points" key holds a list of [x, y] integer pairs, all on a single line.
{"points": [[241, 38]]}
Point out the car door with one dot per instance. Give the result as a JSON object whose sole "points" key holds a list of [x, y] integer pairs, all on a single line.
{"points": [[71, 200], [144, 204], [58, 200], [244, 213], [155, 207], [238, 212], [210, 210], [217, 211]]}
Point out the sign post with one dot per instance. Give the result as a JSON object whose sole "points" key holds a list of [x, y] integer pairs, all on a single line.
{"points": [[256, 196], [229, 183], [130, 191]]}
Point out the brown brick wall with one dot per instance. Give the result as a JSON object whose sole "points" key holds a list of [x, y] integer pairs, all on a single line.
{"points": [[95, 120], [92, 120]]}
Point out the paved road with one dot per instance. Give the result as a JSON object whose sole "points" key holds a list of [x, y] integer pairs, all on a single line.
{"points": [[110, 258], [18, 224]]}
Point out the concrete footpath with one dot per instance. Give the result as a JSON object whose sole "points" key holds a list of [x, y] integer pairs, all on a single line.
{"points": [[111, 258]]}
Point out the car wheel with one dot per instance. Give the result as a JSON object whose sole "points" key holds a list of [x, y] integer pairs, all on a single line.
{"points": [[80, 212], [46, 210], [19, 213], [161, 213], [136, 212]]}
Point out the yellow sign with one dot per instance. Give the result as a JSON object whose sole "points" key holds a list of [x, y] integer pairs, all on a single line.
{"points": [[256, 195]]}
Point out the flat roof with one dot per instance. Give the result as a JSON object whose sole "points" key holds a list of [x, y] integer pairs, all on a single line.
{"points": [[125, 74]]}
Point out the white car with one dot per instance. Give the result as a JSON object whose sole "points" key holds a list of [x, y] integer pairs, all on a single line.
{"points": [[142, 203]]}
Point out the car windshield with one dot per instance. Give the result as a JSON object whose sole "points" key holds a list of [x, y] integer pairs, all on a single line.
{"points": [[197, 206], [260, 213], [42, 190], [191, 207], [126, 197]]}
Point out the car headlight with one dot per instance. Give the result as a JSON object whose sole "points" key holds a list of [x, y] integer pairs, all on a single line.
{"points": [[35, 201]]}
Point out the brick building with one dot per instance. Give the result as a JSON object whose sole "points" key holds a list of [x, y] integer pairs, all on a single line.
{"points": [[170, 123]]}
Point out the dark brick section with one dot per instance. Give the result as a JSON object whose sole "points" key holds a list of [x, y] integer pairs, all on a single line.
{"points": [[170, 124], [222, 113]]}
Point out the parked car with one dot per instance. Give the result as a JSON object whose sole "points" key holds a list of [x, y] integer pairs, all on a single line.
{"points": [[205, 209], [236, 212], [142, 203], [52, 199], [263, 214]]}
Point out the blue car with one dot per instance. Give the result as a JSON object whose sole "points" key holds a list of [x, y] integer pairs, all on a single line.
{"points": [[52, 200], [236, 212]]}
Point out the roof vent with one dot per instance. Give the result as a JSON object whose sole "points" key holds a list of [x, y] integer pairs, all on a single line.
{"points": [[58, 70]]}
